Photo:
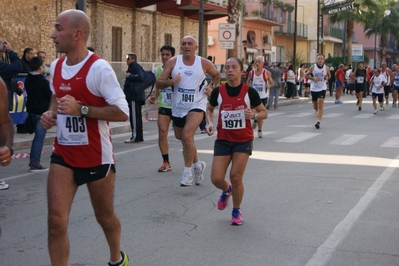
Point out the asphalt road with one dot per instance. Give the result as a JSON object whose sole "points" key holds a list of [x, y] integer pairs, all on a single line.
{"points": [[312, 197]]}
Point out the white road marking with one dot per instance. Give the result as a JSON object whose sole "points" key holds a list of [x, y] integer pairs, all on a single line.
{"points": [[298, 137], [392, 142], [347, 139], [325, 251]]}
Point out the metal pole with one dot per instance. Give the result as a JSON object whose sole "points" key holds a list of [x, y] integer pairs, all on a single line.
{"points": [[344, 39], [295, 33], [81, 5], [318, 25], [201, 26], [375, 45]]}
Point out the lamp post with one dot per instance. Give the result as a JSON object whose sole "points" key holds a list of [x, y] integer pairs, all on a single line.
{"points": [[201, 27], [386, 13]]}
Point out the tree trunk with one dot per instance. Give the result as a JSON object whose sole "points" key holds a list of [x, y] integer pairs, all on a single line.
{"points": [[233, 16], [383, 46], [349, 34]]}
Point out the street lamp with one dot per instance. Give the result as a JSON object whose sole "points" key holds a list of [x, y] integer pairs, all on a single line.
{"points": [[386, 13]]}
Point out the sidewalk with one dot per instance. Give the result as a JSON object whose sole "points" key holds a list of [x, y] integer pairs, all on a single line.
{"points": [[23, 141]]}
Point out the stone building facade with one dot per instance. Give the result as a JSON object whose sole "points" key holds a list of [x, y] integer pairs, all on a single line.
{"points": [[116, 30]]}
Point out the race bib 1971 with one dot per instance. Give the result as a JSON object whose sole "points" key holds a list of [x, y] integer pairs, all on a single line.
{"points": [[234, 119]]}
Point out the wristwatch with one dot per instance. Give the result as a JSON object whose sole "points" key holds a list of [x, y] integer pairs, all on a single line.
{"points": [[84, 110]]}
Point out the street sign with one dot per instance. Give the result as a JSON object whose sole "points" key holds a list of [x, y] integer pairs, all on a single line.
{"points": [[357, 52], [227, 32], [227, 45], [336, 6]]}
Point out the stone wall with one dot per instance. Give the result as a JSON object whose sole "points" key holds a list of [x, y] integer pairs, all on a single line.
{"points": [[29, 23]]}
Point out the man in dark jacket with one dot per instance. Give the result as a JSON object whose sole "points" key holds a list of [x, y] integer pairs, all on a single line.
{"points": [[39, 95], [9, 70], [28, 55], [134, 74]]}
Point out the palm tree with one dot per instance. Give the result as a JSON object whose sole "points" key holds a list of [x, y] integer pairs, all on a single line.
{"points": [[233, 16], [379, 21], [351, 16]]}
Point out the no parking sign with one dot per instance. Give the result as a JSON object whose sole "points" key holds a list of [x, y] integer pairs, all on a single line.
{"points": [[227, 32]]}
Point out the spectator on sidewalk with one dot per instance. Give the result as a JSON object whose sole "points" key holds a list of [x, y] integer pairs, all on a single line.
{"points": [[276, 73], [6, 132], [9, 68], [133, 74], [38, 102], [46, 69], [27, 56]]}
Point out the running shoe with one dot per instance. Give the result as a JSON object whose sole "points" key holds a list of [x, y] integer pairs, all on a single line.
{"points": [[359, 108], [37, 167], [394, 105], [3, 185], [124, 262], [317, 125], [165, 167], [186, 180], [199, 174], [382, 108], [237, 218], [387, 102], [260, 135], [357, 103], [254, 124], [375, 111], [224, 199]]}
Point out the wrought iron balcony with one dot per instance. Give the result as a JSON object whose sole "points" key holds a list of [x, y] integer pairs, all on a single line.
{"points": [[266, 12], [288, 29]]}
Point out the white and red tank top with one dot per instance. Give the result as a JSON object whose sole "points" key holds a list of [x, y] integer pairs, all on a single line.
{"points": [[232, 125], [82, 142]]}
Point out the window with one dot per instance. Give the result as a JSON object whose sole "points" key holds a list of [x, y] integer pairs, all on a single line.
{"points": [[168, 39], [116, 44]]}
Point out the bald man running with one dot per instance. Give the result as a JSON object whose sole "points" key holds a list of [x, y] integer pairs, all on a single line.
{"points": [[189, 99], [86, 94]]}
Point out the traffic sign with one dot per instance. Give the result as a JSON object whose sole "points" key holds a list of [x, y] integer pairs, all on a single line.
{"points": [[227, 32], [357, 52], [227, 45]]}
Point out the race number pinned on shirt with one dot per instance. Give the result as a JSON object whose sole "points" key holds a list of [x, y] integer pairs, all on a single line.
{"points": [[166, 95], [186, 96], [360, 80], [258, 87], [71, 130], [234, 119]]}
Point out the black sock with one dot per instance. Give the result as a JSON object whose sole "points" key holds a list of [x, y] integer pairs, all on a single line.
{"points": [[165, 157]]}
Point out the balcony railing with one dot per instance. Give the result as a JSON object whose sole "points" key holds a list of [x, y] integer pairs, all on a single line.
{"points": [[288, 29], [264, 11], [337, 33], [216, 2]]}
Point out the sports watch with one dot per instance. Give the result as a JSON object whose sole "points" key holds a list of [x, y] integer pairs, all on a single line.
{"points": [[84, 110]]}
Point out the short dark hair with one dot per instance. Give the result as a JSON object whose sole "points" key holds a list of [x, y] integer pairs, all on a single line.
{"points": [[91, 49], [27, 50], [35, 63], [133, 56], [41, 52], [169, 48]]}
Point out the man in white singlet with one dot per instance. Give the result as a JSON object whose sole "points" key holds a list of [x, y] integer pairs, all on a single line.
{"points": [[261, 80], [189, 99], [318, 75]]}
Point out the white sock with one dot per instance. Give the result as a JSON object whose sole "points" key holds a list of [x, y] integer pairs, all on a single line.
{"points": [[116, 262], [187, 170]]}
